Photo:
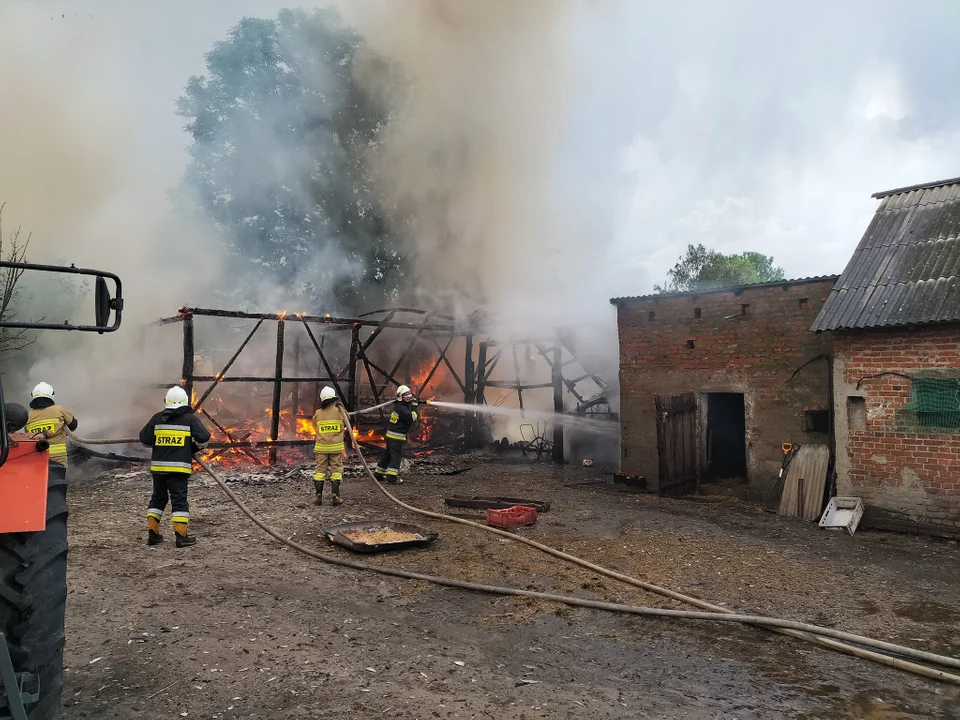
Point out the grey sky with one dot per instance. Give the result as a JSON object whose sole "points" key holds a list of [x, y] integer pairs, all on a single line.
{"points": [[742, 125]]}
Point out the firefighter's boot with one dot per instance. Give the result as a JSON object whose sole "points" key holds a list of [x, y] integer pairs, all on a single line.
{"points": [[153, 530], [183, 538], [335, 492], [318, 486]]}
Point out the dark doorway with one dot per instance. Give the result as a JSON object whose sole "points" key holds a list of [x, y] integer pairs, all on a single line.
{"points": [[726, 444]]}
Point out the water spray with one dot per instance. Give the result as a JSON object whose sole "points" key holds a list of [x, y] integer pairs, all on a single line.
{"points": [[575, 422]]}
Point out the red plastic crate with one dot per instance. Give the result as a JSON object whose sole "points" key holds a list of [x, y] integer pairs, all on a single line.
{"points": [[512, 516]]}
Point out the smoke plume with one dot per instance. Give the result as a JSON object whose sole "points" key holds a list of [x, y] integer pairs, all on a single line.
{"points": [[480, 163]]}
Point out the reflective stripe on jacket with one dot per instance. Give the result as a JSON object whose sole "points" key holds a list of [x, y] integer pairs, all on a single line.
{"points": [[329, 424], [402, 417], [174, 435], [52, 421]]}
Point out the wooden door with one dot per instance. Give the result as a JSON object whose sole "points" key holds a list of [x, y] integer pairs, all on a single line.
{"points": [[677, 444]]}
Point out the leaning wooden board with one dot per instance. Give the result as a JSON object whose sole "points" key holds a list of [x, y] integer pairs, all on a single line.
{"points": [[805, 484], [495, 503]]}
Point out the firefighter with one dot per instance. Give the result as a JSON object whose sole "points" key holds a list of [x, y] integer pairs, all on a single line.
{"points": [[329, 445], [52, 421], [402, 417], [175, 434]]}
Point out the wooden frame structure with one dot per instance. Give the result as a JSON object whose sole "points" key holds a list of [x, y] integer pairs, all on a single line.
{"points": [[345, 361]]}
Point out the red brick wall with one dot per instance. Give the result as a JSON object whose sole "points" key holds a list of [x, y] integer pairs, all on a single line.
{"points": [[754, 354], [908, 480]]}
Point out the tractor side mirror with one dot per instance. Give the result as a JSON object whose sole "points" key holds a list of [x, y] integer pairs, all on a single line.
{"points": [[102, 301]]}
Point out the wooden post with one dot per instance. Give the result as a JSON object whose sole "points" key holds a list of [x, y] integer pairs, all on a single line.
{"points": [[557, 372], [188, 355], [352, 370], [479, 398], [277, 390], [295, 399], [469, 390]]}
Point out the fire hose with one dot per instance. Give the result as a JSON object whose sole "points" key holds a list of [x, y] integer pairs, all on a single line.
{"points": [[825, 637]]}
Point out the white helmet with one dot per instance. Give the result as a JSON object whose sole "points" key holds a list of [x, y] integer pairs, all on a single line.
{"points": [[43, 390], [328, 393], [401, 391], [176, 398]]}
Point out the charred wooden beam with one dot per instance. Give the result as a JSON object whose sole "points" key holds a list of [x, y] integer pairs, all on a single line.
{"points": [[505, 385], [229, 436], [277, 392], [516, 368], [436, 365], [557, 404], [295, 394], [188, 355], [262, 378], [394, 311], [403, 356], [323, 360], [557, 367], [257, 444], [320, 319], [352, 370], [226, 367], [469, 419], [478, 397], [443, 354]]}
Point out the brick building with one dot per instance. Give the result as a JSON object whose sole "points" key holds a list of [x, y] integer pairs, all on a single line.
{"points": [[894, 317], [712, 382]]}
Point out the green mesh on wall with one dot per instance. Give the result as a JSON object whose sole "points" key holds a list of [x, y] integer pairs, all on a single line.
{"points": [[934, 405]]}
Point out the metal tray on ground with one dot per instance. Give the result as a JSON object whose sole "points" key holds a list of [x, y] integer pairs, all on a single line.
{"points": [[336, 534]]}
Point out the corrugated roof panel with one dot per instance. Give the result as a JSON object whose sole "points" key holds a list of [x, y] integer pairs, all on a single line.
{"points": [[906, 269]]}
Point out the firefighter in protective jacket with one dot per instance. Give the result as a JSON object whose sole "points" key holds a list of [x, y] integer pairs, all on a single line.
{"points": [[403, 416], [52, 421], [175, 434], [329, 445]]}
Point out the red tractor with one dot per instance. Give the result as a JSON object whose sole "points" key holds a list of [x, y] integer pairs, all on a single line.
{"points": [[33, 538]]}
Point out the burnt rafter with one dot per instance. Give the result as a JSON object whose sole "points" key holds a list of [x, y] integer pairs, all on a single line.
{"points": [[343, 359]]}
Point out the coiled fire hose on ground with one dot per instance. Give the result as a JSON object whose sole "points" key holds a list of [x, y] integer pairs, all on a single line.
{"points": [[825, 637]]}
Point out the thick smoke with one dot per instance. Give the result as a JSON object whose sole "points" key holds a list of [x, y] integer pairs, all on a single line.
{"points": [[79, 173], [482, 160]]}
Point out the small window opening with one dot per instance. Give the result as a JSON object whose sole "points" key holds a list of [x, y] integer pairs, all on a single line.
{"points": [[803, 303], [745, 309], [816, 421], [697, 313], [856, 413], [651, 316], [690, 344]]}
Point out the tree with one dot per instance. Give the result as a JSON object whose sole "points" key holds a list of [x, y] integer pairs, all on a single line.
{"points": [[703, 269], [280, 161], [12, 340]]}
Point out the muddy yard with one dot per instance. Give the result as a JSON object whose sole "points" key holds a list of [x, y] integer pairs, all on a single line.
{"points": [[240, 627]]}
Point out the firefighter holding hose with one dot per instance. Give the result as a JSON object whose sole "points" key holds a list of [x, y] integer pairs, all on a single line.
{"points": [[52, 421], [403, 416], [329, 445], [175, 434]]}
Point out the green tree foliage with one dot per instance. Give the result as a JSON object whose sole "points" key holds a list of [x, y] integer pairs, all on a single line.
{"points": [[282, 137], [703, 269]]}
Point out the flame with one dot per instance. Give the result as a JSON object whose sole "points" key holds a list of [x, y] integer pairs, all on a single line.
{"points": [[283, 314]]}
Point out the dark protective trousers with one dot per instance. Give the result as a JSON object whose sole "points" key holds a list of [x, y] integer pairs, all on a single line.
{"points": [[174, 486], [389, 463]]}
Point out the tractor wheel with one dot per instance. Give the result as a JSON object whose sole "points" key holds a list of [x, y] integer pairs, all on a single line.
{"points": [[33, 595]]}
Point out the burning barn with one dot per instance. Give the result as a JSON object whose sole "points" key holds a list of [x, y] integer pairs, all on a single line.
{"points": [[256, 377]]}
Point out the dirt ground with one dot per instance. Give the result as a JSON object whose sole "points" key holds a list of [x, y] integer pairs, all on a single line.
{"points": [[241, 627]]}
